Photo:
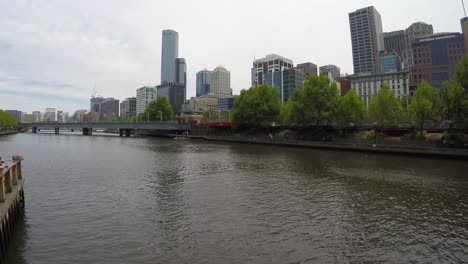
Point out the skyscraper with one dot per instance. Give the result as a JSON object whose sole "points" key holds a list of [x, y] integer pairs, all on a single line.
{"points": [[169, 55], [220, 82], [367, 40], [203, 82]]}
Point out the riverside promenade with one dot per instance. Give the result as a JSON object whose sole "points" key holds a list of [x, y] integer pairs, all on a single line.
{"points": [[11, 200], [373, 148]]}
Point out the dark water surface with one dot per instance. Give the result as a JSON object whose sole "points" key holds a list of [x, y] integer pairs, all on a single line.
{"points": [[134, 200]]}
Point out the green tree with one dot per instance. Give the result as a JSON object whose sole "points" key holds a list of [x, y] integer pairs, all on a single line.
{"points": [[7, 120], [257, 107], [351, 109], [161, 107], [461, 73], [385, 108], [315, 104], [424, 105]]}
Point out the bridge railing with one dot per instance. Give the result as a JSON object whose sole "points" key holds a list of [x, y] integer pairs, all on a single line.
{"points": [[10, 173]]}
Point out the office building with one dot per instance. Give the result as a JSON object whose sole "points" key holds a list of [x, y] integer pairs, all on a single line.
{"points": [[286, 82], [128, 107], [169, 55], [271, 63], [203, 83], [29, 118], [62, 117], [144, 96], [95, 104], [367, 86], [37, 116], [225, 104], [18, 115], [175, 93], [464, 24], [49, 115], [389, 61], [308, 68], [435, 58], [332, 69], [367, 40], [413, 32], [220, 83], [109, 109], [397, 41], [345, 85]]}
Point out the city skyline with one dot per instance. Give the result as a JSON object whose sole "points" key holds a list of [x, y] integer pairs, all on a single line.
{"points": [[58, 62]]}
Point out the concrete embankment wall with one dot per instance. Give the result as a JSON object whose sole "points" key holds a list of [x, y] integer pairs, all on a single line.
{"points": [[389, 149]]}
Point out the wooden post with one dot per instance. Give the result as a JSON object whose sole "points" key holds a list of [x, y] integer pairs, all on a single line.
{"points": [[2, 188], [14, 176], [18, 159], [8, 181]]}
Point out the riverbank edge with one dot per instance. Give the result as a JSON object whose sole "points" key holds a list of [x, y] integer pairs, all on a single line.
{"points": [[4, 133], [384, 149]]}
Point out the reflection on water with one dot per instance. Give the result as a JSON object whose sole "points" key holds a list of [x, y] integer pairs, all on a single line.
{"points": [[129, 200]]}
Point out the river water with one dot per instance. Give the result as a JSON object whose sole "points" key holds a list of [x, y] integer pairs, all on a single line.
{"points": [[105, 199]]}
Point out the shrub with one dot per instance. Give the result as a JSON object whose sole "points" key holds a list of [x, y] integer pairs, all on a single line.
{"points": [[372, 135], [415, 136]]}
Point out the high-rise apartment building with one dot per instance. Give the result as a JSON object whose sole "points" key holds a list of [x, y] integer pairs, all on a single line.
{"points": [[367, 39], [144, 96], [128, 107], [332, 69], [271, 63], [169, 55], [203, 82], [220, 83]]}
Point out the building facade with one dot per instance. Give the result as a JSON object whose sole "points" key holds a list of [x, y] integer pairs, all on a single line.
{"points": [[203, 82], [225, 104], [366, 39], [413, 32], [169, 55], [144, 96], [397, 41], [49, 115], [435, 58], [464, 24], [271, 63], [332, 69], [220, 83], [109, 109], [128, 107], [286, 82], [308, 68], [175, 93], [389, 61], [367, 86]]}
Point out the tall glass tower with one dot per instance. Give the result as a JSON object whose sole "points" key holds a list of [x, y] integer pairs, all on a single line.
{"points": [[170, 53]]}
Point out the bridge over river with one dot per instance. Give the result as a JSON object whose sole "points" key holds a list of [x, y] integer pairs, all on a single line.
{"points": [[124, 128]]}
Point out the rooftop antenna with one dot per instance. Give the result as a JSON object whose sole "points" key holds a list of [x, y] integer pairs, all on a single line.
{"points": [[463, 4]]}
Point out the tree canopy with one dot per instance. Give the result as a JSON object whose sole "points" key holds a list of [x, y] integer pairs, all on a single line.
{"points": [[315, 104], [257, 107], [161, 107], [461, 73], [424, 105], [385, 108], [351, 109], [7, 120], [454, 97]]}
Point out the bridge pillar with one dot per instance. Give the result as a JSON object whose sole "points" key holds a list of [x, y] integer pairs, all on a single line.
{"points": [[57, 130], [121, 132], [136, 132], [87, 131], [127, 132], [34, 130]]}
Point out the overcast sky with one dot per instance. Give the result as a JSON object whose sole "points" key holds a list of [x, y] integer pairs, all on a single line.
{"points": [[53, 53]]}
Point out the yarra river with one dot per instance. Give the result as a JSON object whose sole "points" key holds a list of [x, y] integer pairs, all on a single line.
{"points": [[105, 199]]}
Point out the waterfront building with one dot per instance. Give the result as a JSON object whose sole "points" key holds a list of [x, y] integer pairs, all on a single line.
{"points": [[286, 81], [225, 104], [175, 93], [203, 82], [389, 61], [435, 58], [169, 55], [367, 86], [18, 115], [145, 95], [49, 115], [220, 83], [308, 68], [332, 69], [367, 40], [271, 63], [128, 107]]}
